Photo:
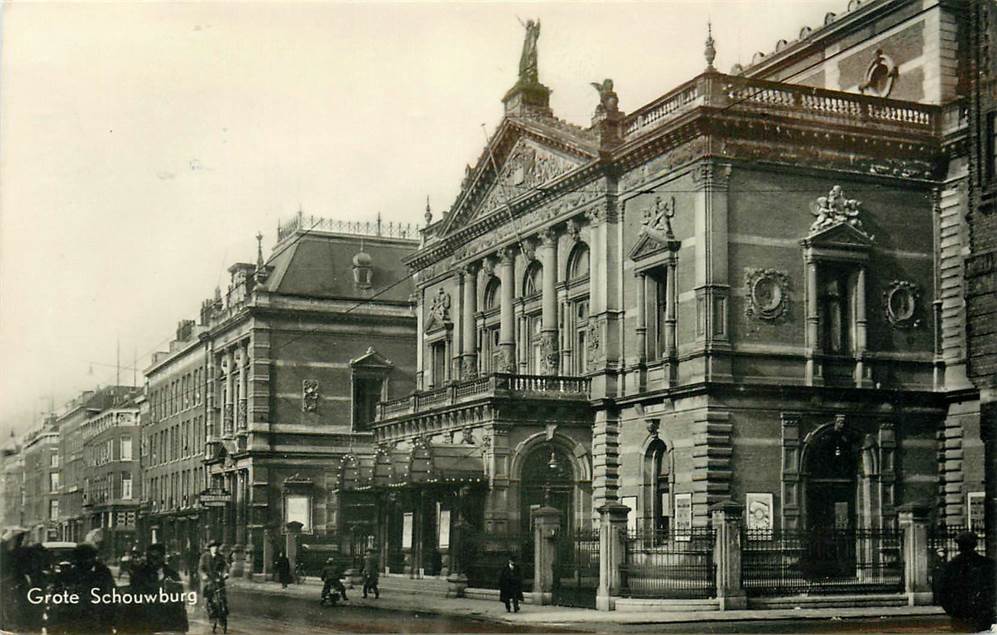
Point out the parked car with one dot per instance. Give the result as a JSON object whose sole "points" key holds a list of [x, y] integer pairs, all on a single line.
{"points": [[60, 555]]}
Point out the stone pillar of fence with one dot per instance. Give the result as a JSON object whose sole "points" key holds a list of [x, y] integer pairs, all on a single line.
{"points": [[547, 524], [612, 553], [727, 517], [914, 524]]}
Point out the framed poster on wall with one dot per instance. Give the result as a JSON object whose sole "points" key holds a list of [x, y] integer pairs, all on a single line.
{"points": [[759, 515], [444, 526], [407, 530], [298, 508], [631, 502], [974, 512], [683, 517]]}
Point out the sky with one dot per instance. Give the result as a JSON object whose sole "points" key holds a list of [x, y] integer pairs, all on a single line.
{"points": [[143, 145]]}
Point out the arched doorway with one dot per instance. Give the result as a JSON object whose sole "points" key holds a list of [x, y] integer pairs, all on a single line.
{"points": [[548, 478], [832, 470]]}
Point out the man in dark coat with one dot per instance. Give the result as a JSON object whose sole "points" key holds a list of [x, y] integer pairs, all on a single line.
{"points": [[151, 577], [283, 568], [331, 578], [511, 585], [85, 577], [967, 587], [371, 572]]}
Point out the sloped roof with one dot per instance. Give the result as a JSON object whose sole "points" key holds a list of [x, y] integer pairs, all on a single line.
{"points": [[321, 265]]}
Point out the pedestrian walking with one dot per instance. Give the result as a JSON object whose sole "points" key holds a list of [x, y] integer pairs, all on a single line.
{"points": [[332, 579], [167, 614], [371, 573], [967, 587], [511, 586], [283, 568]]}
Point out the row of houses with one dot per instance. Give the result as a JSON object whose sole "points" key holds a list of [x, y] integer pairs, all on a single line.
{"points": [[750, 290]]}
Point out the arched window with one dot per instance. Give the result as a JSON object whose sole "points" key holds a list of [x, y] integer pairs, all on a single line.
{"points": [[492, 293], [578, 262], [658, 475], [533, 280]]}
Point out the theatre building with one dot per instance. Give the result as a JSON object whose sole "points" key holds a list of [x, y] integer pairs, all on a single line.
{"points": [[747, 290]]}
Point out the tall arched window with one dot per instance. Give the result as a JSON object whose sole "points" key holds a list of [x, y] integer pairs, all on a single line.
{"points": [[578, 262], [533, 279], [490, 332], [657, 478], [492, 293]]}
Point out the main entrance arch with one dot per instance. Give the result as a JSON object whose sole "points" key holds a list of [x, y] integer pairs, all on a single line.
{"points": [[547, 478]]}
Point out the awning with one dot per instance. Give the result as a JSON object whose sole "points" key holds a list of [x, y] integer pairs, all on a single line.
{"points": [[423, 464]]}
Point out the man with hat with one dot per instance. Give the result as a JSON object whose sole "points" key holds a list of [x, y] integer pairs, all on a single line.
{"points": [[331, 574], [371, 566], [967, 587], [150, 577], [212, 564]]}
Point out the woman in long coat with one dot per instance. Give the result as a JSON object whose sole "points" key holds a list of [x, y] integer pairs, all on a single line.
{"points": [[283, 566]]}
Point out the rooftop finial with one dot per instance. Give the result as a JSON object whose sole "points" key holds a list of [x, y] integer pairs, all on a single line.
{"points": [[259, 250], [429, 213], [710, 52]]}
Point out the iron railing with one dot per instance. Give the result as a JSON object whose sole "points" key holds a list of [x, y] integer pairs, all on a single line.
{"points": [[576, 569], [670, 564], [822, 561], [942, 547], [483, 555]]}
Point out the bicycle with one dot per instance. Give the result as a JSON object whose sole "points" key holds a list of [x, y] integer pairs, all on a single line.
{"points": [[217, 604]]}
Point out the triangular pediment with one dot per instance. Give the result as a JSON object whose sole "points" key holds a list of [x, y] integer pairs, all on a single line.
{"points": [[526, 159], [645, 247], [371, 359], [840, 235]]}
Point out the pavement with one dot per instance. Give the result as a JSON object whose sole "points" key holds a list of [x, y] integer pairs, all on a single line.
{"points": [[530, 614]]}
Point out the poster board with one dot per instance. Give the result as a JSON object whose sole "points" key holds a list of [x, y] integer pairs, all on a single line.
{"points": [[631, 502], [683, 517], [974, 512], [444, 526], [759, 516], [407, 530], [298, 508]]}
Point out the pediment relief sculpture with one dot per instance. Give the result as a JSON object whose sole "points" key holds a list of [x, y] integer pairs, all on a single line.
{"points": [[656, 221], [835, 209]]}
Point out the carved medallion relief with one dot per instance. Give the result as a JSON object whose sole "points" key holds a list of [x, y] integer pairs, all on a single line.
{"points": [[900, 304], [767, 296]]}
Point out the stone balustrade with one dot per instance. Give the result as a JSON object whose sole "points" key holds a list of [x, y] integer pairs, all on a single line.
{"points": [[741, 94], [493, 385]]}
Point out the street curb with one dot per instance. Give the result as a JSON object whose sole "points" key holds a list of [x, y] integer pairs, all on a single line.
{"points": [[556, 617]]}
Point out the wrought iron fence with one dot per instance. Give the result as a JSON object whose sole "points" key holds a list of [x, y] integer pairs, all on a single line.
{"points": [[670, 564], [483, 555], [314, 550], [576, 568], [822, 561]]}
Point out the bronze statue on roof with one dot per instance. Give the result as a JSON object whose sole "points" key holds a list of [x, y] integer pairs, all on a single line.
{"points": [[528, 70]]}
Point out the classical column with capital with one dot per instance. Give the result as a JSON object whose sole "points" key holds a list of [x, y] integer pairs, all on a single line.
{"points": [[550, 364], [469, 351], [507, 324]]}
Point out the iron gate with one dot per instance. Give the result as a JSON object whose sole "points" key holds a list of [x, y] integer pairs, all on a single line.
{"points": [[576, 568]]}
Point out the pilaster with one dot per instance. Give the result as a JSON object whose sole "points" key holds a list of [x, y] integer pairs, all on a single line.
{"points": [[711, 463], [605, 458]]}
